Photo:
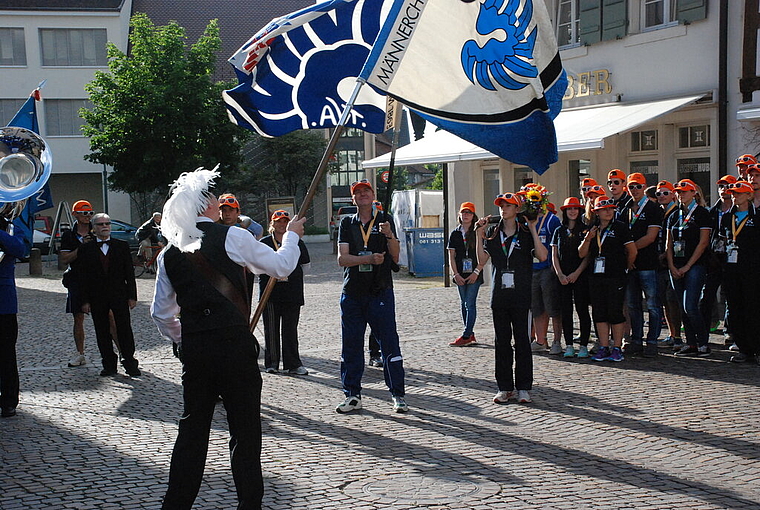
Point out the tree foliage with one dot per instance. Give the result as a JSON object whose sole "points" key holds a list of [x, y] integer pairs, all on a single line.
{"points": [[156, 111]]}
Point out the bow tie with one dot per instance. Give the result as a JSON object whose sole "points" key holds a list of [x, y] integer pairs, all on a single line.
{"points": [[101, 243]]}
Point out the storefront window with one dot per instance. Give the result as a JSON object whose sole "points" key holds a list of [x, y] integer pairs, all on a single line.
{"points": [[578, 169], [491, 188], [698, 170], [650, 169]]}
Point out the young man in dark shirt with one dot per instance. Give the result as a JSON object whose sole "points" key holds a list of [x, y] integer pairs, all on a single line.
{"points": [[644, 219], [367, 246]]}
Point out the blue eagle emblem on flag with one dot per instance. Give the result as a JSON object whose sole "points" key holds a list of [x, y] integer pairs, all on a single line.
{"points": [[505, 60]]}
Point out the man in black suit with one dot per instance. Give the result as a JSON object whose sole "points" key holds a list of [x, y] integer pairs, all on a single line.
{"points": [[108, 283]]}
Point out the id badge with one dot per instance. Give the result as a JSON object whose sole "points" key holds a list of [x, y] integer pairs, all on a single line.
{"points": [[599, 265], [365, 268], [542, 239], [467, 265], [732, 254], [508, 280], [678, 248]]}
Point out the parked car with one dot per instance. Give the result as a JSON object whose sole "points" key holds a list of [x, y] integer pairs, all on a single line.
{"points": [[124, 231], [43, 223], [41, 240], [346, 210]]}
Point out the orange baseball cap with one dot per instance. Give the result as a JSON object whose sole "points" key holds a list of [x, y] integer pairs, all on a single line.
{"points": [[378, 205], [741, 187], [685, 185], [637, 178], [727, 179], [467, 206], [572, 202], [81, 206], [510, 198], [616, 174], [754, 167], [666, 185], [279, 214], [588, 181], [596, 189], [360, 183], [228, 199], [746, 159], [604, 202]]}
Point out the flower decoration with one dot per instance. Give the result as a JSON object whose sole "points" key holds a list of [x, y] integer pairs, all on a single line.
{"points": [[536, 202]]}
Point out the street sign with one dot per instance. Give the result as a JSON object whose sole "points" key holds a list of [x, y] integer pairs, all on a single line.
{"points": [[384, 176]]}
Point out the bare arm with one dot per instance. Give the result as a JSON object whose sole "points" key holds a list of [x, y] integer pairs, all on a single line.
{"points": [[345, 259], [648, 238], [631, 252]]}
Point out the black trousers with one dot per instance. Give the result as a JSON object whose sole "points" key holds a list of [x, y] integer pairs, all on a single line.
{"points": [[577, 293], [218, 362], [741, 286], [124, 333], [281, 329], [513, 324], [9, 386]]}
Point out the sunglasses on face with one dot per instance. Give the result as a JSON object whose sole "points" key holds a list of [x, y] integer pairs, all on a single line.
{"points": [[593, 189], [662, 193], [229, 200], [103, 224], [605, 203], [635, 186], [84, 213], [280, 214], [743, 159], [614, 182]]}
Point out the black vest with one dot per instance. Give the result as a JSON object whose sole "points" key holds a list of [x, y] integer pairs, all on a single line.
{"points": [[202, 307]]}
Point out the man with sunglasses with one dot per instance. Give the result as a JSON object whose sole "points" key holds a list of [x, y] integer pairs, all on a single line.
{"points": [[742, 162], [644, 220], [616, 181], [107, 281], [366, 249], [229, 209], [71, 240], [753, 177]]}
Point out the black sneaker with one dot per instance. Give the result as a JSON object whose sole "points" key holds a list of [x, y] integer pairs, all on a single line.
{"points": [[376, 362], [107, 371], [703, 351], [650, 351], [739, 358], [688, 350], [633, 349]]}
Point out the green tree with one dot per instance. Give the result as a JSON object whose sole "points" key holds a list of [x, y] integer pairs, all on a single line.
{"points": [[437, 182], [156, 111]]}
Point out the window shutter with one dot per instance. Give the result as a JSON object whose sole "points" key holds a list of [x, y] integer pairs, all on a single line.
{"points": [[691, 10], [614, 19], [590, 30]]}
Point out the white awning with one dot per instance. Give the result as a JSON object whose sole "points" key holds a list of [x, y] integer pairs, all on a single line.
{"points": [[748, 114], [577, 129]]}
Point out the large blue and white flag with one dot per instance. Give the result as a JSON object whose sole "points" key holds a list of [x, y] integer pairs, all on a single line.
{"points": [[298, 72], [488, 71]]}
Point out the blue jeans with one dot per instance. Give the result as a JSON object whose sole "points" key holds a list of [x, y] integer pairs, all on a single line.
{"points": [[468, 296], [380, 313], [689, 289], [646, 282]]}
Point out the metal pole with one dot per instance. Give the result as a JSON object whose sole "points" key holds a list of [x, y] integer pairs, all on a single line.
{"points": [[313, 187], [105, 189], [446, 269]]}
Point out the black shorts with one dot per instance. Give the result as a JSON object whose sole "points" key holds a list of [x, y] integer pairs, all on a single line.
{"points": [[74, 300], [607, 298]]}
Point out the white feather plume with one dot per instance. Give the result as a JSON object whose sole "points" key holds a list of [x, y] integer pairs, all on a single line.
{"points": [[188, 201]]}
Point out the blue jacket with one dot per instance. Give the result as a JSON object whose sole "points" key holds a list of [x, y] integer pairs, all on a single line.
{"points": [[13, 246]]}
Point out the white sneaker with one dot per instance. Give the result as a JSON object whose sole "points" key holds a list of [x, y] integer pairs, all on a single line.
{"points": [[502, 397], [537, 347], [523, 396], [78, 361], [399, 404], [350, 404], [556, 347], [298, 371], [734, 348]]}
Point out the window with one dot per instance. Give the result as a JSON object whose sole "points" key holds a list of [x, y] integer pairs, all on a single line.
{"points": [[491, 188], [73, 47], [568, 21], [523, 175], [644, 141], [698, 170], [62, 116], [9, 108], [650, 169], [657, 12], [578, 169], [12, 47], [349, 168], [694, 136]]}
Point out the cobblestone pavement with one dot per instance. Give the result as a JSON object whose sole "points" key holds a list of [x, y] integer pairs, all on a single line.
{"points": [[645, 433]]}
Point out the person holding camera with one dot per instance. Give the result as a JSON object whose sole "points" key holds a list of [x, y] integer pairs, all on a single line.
{"points": [[511, 246], [612, 252]]}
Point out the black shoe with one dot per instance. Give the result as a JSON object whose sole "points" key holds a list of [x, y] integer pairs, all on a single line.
{"points": [[633, 349], [688, 350], [376, 362], [740, 358], [108, 371], [650, 351], [7, 412], [704, 353], [131, 368]]}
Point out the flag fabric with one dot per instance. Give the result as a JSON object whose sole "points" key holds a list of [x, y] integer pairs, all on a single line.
{"points": [[26, 117], [298, 72], [488, 71]]}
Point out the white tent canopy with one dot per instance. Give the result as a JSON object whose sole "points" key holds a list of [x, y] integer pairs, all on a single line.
{"points": [[577, 129]]}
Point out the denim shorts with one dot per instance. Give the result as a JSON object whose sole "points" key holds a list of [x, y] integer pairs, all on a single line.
{"points": [[545, 293]]}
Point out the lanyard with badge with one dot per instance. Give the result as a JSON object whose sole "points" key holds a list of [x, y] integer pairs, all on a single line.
{"points": [[508, 276], [732, 251], [277, 247], [679, 245], [599, 262], [467, 265], [366, 268], [634, 216]]}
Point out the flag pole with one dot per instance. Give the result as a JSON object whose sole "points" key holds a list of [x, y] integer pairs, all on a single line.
{"points": [[313, 187], [398, 112]]}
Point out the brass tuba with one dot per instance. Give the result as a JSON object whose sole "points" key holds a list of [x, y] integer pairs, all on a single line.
{"points": [[25, 167]]}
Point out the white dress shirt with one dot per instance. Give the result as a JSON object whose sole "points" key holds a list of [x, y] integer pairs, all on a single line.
{"points": [[243, 249]]}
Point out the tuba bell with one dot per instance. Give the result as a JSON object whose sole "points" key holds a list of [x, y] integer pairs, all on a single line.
{"points": [[25, 167]]}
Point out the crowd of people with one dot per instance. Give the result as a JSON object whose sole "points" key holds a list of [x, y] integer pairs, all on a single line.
{"points": [[614, 254]]}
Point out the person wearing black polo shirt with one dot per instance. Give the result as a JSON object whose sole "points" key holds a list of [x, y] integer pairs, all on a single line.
{"points": [[666, 198], [644, 219], [611, 252], [284, 306], [366, 249], [688, 240], [616, 183], [740, 228], [511, 246]]}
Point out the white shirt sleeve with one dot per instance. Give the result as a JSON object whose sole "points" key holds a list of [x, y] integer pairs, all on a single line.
{"points": [[247, 251], [164, 308]]}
